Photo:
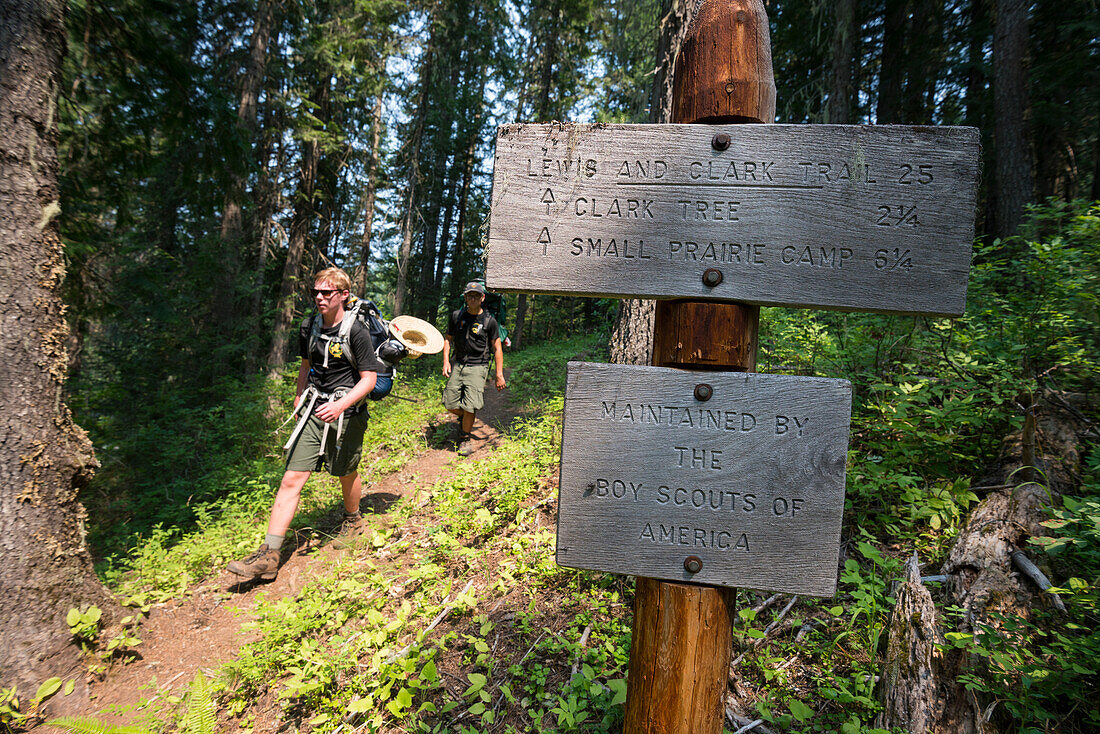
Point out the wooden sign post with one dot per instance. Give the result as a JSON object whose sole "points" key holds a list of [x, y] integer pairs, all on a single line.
{"points": [[682, 635], [707, 477]]}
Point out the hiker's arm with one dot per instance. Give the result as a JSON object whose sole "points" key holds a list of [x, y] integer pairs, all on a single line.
{"points": [[498, 355], [328, 412], [447, 355], [303, 380]]}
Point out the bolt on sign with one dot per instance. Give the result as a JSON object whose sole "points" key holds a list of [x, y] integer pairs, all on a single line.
{"points": [[848, 217], [717, 478]]}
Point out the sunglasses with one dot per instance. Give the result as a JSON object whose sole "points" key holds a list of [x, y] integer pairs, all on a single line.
{"points": [[326, 292]]}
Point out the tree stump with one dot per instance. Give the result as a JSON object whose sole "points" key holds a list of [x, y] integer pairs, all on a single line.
{"points": [[909, 694]]}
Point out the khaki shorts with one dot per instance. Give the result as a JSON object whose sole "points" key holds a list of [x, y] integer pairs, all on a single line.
{"points": [[466, 388], [341, 457]]}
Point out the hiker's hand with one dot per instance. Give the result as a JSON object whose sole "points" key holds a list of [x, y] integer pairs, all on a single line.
{"points": [[446, 369], [501, 384], [328, 412]]}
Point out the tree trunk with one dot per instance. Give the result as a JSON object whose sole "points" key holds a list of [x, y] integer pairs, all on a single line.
{"points": [[458, 259], [976, 83], [671, 29], [521, 321], [435, 288], [424, 301], [45, 458], [923, 50], [298, 238], [1095, 192], [251, 83], [892, 70], [632, 336], [407, 221], [471, 136], [223, 294], [267, 203], [843, 49], [1013, 150], [368, 198], [977, 97]]}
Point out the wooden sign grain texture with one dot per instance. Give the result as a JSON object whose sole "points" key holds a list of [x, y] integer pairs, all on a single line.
{"points": [[847, 217], [750, 481]]}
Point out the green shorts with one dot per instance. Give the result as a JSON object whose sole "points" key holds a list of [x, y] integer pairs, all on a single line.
{"points": [[466, 388], [341, 457]]}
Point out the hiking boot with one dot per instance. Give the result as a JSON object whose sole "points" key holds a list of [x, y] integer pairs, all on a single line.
{"points": [[262, 564], [465, 445], [351, 528]]}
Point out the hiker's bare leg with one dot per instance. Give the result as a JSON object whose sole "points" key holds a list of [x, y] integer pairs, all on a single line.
{"points": [[352, 486], [286, 502], [465, 420]]}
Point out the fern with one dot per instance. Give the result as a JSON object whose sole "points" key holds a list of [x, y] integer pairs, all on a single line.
{"points": [[88, 725], [201, 712], [200, 717]]}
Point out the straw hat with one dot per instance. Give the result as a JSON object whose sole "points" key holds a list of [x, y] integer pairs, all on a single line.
{"points": [[418, 336]]}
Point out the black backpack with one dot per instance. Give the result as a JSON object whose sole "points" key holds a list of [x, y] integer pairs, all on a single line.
{"points": [[389, 350]]}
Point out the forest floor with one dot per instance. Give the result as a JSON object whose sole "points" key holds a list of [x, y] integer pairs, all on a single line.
{"points": [[207, 627]]}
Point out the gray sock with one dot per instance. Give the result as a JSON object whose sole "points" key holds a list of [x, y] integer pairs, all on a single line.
{"points": [[274, 542]]}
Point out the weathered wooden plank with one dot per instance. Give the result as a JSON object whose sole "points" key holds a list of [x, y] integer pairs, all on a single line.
{"points": [[750, 481], [848, 217]]}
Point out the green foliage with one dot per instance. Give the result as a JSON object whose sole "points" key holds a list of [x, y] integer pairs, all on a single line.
{"points": [[933, 399], [1046, 668], [793, 342], [89, 725], [84, 625], [201, 714], [1075, 535], [166, 559], [1036, 314], [1042, 670], [13, 718], [539, 374]]}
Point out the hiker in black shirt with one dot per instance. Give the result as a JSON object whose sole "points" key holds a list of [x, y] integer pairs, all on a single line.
{"points": [[330, 395], [476, 339]]}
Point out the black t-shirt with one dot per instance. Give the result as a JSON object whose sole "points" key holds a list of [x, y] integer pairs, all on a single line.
{"points": [[473, 336], [339, 373]]}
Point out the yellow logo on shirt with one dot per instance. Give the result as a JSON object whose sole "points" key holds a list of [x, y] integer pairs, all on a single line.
{"points": [[335, 350], [475, 329]]}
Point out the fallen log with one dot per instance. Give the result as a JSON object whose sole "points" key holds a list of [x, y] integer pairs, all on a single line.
{"points": [[979, 566]]}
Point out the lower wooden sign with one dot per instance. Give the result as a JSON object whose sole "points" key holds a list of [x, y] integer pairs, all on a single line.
{"points": [[718, 478]]}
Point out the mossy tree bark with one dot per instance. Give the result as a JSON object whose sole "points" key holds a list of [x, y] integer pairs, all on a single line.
{"points": [[45, 458]]}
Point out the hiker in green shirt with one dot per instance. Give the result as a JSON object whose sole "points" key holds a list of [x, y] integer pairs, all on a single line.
{"points": [[330, 398]]}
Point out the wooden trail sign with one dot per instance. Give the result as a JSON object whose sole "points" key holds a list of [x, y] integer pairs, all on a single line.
{"points": [[849, 217], [744, 488]]}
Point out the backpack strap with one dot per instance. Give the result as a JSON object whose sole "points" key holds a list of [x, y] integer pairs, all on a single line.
{"points": [[350, 315], [342, 336], [314, 332]]}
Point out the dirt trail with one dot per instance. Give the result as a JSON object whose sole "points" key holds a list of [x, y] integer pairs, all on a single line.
{"points": [[203, 630]]}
